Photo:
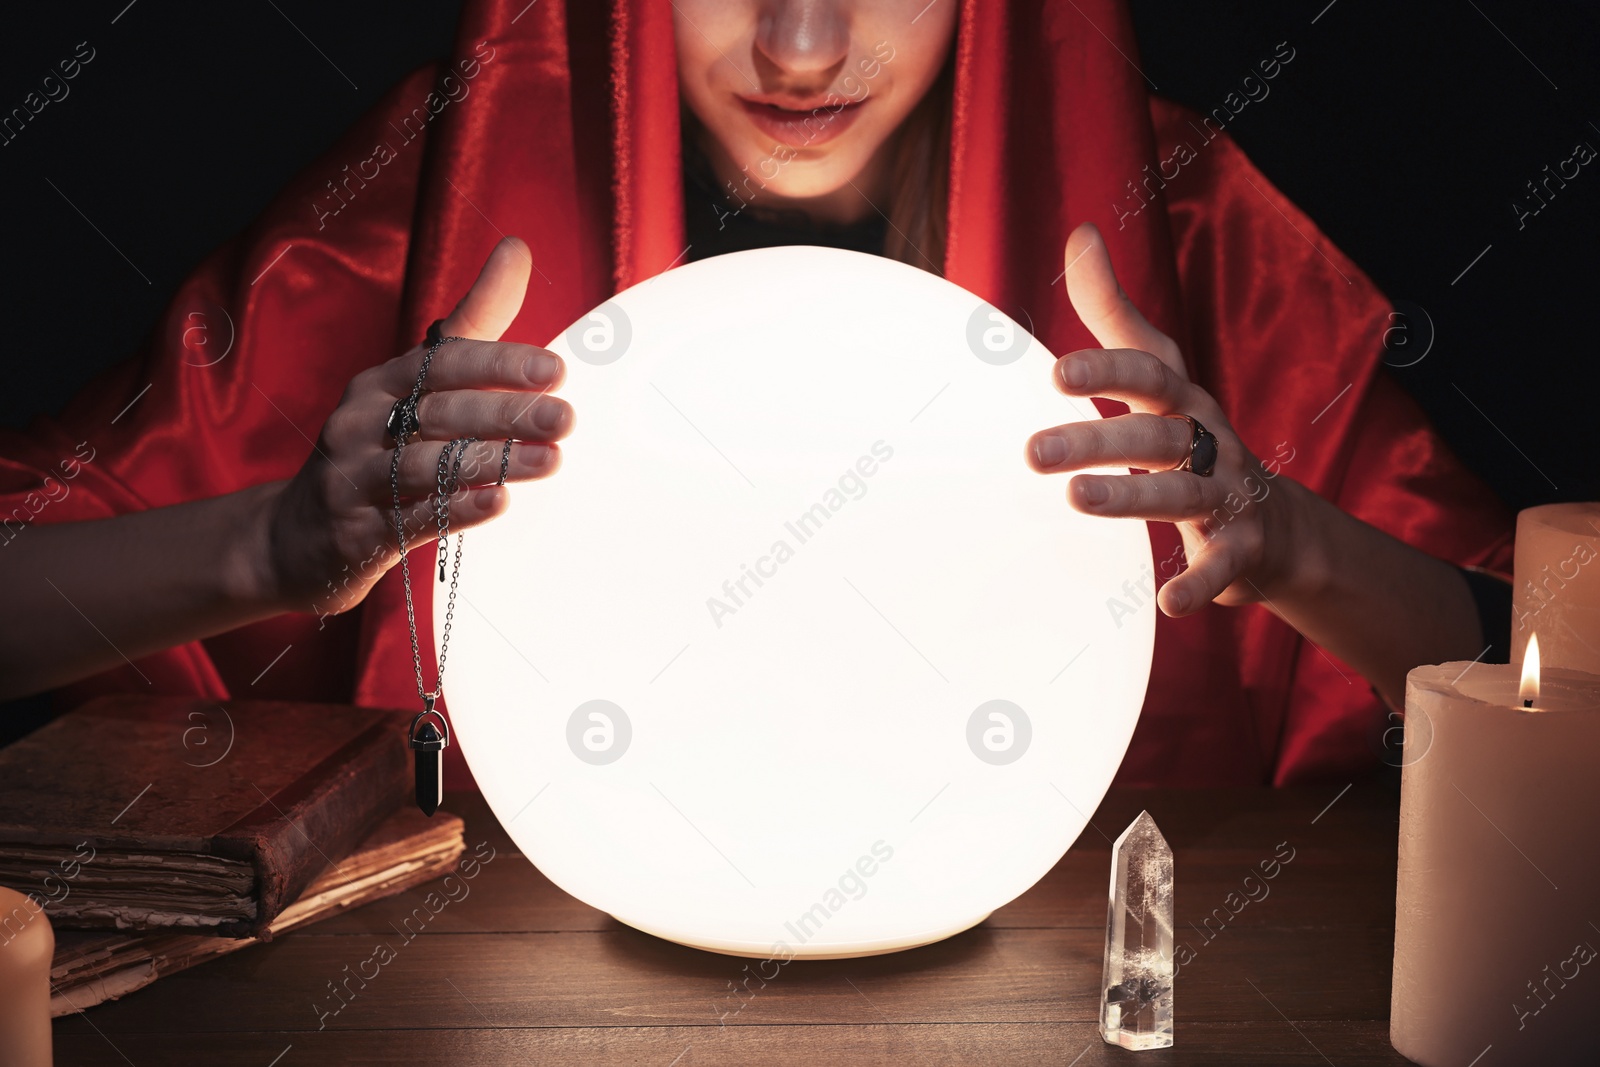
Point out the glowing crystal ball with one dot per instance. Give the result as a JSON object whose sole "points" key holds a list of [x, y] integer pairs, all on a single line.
{"points": [[795, 656]]}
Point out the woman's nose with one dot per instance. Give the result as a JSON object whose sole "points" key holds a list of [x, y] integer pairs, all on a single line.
{"points": [[804, 36]]}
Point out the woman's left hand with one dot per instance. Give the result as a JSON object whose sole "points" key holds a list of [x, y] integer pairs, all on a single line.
{"points": [[1236, 522]]}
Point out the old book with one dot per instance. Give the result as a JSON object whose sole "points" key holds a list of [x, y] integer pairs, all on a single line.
{"points": [[141, 813], [408, 849]]}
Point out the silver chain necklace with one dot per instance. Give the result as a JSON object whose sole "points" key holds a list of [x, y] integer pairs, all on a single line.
{"points": [[429, 733]]}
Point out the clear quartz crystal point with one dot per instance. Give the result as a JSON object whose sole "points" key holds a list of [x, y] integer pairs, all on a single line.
{"points": [[1136, 986]]}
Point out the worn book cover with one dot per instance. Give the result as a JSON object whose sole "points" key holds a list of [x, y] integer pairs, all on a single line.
{"points": [[408, 849], [144, 813]]}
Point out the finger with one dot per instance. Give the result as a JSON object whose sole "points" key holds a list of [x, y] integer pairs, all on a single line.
{"points": [[513, 376], [1134, 376], [492, 303], [476, 365], [469, 508], [1147, 441], [1102, 305], [1217, 566], [480, 466], [1163, 496], [473, 413]]}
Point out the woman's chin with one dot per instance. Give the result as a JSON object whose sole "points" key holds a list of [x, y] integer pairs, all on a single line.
{"points": [[823, 175]]}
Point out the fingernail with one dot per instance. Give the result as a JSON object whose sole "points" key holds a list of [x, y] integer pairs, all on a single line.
{"points": [[485, 497], [1180, 601], [1048, 451], [540, 368], [548, 416], [1094, 493], [1075, 374]]}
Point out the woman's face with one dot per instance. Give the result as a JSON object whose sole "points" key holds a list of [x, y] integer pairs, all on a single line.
{"points": [[801, 97]]}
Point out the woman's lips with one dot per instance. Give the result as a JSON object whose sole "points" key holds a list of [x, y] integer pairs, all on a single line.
{"points": [[802, 127]]}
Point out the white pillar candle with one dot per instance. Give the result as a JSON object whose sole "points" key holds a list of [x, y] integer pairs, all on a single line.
{"points": [[27, 944], [1495, 950], [1557, 586]]}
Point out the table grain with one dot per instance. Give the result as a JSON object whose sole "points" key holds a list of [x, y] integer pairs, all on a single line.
{"points": [[1291, 970]]}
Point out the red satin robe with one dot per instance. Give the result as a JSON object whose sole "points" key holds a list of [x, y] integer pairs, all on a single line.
{"points": [[559, 123]]}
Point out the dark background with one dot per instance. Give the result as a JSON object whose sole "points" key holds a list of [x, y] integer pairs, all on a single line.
{"points": [[1405, 130]]}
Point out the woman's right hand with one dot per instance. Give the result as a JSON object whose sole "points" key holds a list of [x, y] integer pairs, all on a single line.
{"points": [[330, 529]]}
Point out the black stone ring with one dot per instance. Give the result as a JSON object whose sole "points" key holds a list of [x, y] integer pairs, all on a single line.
{"points": [[1202, 457], [403, 423]]}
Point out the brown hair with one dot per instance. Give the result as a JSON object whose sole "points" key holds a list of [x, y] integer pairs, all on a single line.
{"points": [[919, 178]]}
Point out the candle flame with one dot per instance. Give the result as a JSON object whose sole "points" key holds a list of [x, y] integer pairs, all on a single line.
{"points": [[1529, 690]]}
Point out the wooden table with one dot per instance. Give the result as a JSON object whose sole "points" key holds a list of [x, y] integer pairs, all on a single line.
{"points": [[517, 972]]}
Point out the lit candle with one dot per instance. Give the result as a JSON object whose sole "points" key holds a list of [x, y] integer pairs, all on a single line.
{"points": [[1557, 585], [27, 944], [1528, 688], [1499, 873]]}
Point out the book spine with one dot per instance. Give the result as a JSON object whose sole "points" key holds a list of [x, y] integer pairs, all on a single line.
{"points": [[312, 823]]}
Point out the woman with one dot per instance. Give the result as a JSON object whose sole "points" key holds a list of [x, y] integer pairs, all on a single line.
{"points": [[980, 141]]}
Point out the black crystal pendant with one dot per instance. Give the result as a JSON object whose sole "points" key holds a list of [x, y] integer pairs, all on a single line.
{"points": [[427, 748], [428, 745]]}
